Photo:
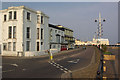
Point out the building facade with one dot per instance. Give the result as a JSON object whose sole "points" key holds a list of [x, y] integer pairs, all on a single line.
{"points": [[94, 42], [24, 32], [101, 41], [56, 37], [68, 36]]}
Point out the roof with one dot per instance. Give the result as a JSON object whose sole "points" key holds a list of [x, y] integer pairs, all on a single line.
{"points": [[65, 27], [56, 27], [23, 7]]}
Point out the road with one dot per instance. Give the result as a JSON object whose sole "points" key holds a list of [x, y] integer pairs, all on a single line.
{"points": [[42, 67], [112, 65]]}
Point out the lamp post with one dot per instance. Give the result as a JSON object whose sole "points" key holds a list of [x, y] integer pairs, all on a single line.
{"points": [[99, 35], [99, 28]]}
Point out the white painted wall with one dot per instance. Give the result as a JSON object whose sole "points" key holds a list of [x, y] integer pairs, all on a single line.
{"points": [[5, 26], [61, 33], [21, 24]]}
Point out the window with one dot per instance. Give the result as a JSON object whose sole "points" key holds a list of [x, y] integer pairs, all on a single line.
{"points": [[10, 32], [62, 33], [58, 46], [41, 43], [28, 32], [14, 31], [28, 46], [57, 38], [37, 33], [5, 17], [41, 19], [14, 46], [38, 18], [54, 46], [51, 34], [37, 46], [55, 31], [9, 46], [41, 33], [62, 39], [50, 46], [15, 14], [10, 15], [4, 46], [28, 16]]}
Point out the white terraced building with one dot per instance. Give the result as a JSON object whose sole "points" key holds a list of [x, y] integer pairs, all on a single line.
{"points": [[56, 37], [23, 32]]}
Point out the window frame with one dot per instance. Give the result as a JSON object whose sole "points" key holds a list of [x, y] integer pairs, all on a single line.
{"points": [[9, 46], [27, 47], [42, 33], [10, 15], [38, 46], [29, 16], [5, 17], [14, 46], [4, 49], [38, 33], [9, 33], [14, 32], [15, 15], [42, 20], [38, 18], [28, 33]]}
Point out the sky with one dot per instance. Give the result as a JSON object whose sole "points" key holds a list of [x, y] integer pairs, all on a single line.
{"points": [[79, 16]]}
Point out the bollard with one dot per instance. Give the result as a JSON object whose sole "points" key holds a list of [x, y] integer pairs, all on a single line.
{"points": [[51, 56]]}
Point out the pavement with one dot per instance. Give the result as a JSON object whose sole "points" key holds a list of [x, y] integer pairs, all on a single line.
{"points": [[42, 67], [111, 68]]}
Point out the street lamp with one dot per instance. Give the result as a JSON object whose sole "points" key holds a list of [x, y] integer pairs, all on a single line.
{"points": [[100, 28], [99, 35]]}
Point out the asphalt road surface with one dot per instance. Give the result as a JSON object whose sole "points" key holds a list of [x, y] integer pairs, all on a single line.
{"points": [[42, 67]]}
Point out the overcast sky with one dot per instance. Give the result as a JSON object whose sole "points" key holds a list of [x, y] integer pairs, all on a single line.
{"points": [[79, 16]]}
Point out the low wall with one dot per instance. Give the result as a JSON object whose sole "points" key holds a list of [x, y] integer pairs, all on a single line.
{"points": [[9, 53], [27, 53], [34, 53]]}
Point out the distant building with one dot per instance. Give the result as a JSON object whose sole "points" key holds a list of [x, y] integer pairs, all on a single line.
{"points": [[68, 36], [79, 42], [56, 37], [118, 43], [100, 41], [94, 42], [23, 32]]}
